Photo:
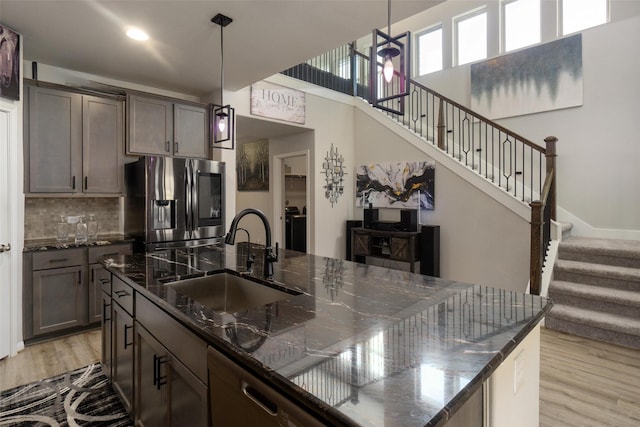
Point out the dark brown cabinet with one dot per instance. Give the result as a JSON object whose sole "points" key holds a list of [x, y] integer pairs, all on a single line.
{"points": [[393, 245]]}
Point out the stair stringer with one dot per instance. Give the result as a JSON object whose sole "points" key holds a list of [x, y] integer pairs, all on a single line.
{"points": [[483, 184]]}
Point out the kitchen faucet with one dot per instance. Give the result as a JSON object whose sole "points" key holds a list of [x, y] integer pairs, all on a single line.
{"points": [[269, 256]]}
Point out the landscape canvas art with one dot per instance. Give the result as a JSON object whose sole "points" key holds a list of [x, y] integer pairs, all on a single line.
{"points": [[541, 78], [252, 166], [396, 185]]}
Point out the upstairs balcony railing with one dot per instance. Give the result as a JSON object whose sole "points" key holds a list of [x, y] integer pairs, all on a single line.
{"points": [[518, 166]]}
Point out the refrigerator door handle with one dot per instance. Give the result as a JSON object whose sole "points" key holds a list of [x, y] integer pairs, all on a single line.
{"points": [[194, 195], [187, 194]]}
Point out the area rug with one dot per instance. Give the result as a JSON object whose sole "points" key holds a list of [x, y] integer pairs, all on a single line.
{"points": [[83, 397]]}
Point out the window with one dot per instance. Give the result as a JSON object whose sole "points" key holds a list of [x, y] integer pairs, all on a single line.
{"points": [[471, 37], [430, 51], [580, 14], [521, 23]]}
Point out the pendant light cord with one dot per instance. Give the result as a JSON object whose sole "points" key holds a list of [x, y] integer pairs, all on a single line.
{"points": [[222, 65]]}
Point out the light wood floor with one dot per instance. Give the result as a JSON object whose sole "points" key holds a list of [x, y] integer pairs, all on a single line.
{"points": [[50, 358], [587, 383], [582, 382]]}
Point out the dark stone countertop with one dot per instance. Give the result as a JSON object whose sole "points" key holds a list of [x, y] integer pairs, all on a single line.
{"points": [[362, 345], [49, 243]]}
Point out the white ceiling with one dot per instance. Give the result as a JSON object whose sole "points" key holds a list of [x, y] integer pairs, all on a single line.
{"points": [[183, 54]]}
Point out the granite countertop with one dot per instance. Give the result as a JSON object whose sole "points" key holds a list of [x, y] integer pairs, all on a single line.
{"points": [[360, 345], [48, 243]]}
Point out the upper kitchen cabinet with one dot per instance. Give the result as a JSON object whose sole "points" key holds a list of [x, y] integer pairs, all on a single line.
{"points": [[74, 143], [159, 126]]}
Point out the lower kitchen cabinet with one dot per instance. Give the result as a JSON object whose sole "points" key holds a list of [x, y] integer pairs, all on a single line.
{"points": [[122, 367], [62, 288], [167, 392], [58, 290], [238, 398]]}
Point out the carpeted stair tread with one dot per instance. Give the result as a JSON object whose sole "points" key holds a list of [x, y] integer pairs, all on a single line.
{"points": [[620, 252], [597, 274], [618, 296], [606, 321]]}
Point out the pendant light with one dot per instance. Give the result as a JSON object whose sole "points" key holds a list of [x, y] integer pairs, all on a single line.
{"points": [[389, 94], [223, 115], [389, 52]]}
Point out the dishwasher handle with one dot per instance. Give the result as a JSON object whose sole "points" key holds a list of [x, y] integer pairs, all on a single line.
{"points": [[259, 399]]}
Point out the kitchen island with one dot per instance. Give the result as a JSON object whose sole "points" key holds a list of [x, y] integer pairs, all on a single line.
{"points": [[355, 344]]}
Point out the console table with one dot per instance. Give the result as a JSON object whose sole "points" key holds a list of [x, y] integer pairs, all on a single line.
{"points": [[392, 245]]}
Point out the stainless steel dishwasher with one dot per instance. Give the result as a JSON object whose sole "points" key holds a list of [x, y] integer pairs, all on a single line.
{"points": [[239, 398]]}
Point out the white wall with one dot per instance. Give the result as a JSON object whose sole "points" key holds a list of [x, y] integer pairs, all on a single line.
{"points": [[598, 153], [331, 116], [481, 241]]}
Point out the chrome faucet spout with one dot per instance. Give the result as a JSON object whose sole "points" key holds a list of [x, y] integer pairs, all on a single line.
{"points": [[269, 256]]}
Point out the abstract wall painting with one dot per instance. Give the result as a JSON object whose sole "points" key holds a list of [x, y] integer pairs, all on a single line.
{"points": [[396, 185], [541, 78]]}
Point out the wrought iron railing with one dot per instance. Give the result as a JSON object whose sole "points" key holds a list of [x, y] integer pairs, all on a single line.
{"points": [[508, 160]]}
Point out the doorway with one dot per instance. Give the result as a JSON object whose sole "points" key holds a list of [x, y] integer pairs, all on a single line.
{"points": [[292, 200], [5, 256]]}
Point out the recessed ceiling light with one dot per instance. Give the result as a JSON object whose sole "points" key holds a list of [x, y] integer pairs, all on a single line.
{"points": [[137, 34]]}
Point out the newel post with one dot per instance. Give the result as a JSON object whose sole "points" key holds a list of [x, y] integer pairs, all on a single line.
{"points": [[535, 262], [551, 167]]}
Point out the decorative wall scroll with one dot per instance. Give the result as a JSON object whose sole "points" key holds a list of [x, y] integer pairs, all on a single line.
{"points": [[277, 102], [396, 185], [333, 169], [9, 63]]}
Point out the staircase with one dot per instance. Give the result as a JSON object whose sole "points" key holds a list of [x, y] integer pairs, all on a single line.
{"points": [[596, 290]]}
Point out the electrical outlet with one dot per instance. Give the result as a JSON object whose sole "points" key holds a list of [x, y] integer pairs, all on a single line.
{"points": [[518, 371]]}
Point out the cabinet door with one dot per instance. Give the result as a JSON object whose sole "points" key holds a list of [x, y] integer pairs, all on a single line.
{"points": [[55, 141], [191, 130], [97, 277], [106, 333], [400, 249], [59, 299], [167, 393], [360, 244], [122, 354], [150, 126], [102, 136]]}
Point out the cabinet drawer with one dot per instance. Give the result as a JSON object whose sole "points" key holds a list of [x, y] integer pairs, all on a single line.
{"points": [[181, 342], [122, 294], [95, 253], [58, 258]]}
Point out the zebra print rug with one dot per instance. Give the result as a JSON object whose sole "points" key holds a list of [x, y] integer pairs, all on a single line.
{"points": [[83, 397]]}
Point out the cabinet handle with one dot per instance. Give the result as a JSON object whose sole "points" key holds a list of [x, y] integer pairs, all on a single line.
{"points": [[59, 260], [79, 277], [175, 144], [126, 339], [73, 182], [158, 380], [167, 145], [121, 294], [104, 311], [86, 182], [93, 274], [259, 399], [104, 281]]}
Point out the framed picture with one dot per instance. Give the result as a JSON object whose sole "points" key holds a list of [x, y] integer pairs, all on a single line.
{"points": [[396, 185], [252, 166], [9, 63]]}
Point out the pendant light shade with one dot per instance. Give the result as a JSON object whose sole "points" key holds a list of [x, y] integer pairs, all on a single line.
{"points": [[389, 60], [223, 129]]}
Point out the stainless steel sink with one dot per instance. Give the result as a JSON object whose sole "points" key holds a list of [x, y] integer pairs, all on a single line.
{"points": [[228, 293]]}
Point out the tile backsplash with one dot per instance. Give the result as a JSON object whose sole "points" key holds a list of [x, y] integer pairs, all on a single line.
{"points": [[41, 214]]}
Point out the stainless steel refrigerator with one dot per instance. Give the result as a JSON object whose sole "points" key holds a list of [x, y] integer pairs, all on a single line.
{"points": [[173, 202]]}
